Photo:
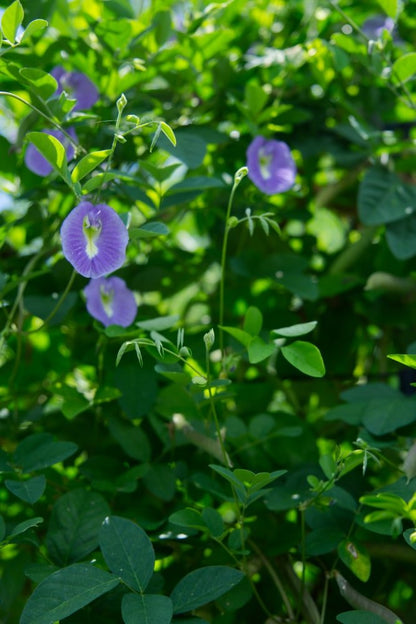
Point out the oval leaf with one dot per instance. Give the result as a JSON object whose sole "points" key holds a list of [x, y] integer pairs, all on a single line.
{"points": [[128, 551], [405, 67], [51, 149], [300, 329], [66, 591], [202, 586], [29, 491], [11, 20], [305, 357], [87, 164], [146, 608]]}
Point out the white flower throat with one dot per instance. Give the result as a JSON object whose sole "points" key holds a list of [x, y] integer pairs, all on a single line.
{"points": [[107, 299], [91, 228]]}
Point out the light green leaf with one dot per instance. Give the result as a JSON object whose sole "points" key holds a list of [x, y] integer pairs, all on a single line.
{"points": [[146, 609], [253, 321], [404, 358], [300, 329], [405, 67], [168, 132], [258, 350], [127, 551], [356, 558], [306, 357], [33, 27], [149, 230], [242, 336], [41, 83], [202, 586], [52, 600], [52, 150], [11, 20], [29, 491], [87, 164], [390, 7]]}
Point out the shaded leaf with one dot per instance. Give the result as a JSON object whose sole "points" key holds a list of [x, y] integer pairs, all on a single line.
{"points": [[202, 586]]}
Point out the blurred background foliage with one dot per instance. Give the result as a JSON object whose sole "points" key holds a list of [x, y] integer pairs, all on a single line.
{"points": [[219, 74]]}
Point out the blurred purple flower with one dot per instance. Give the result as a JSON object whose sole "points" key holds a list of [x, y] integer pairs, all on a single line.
{"points": [[270, 165], [78, 86], [37, 163], [373, 27], [94, 239], [110, 301]]}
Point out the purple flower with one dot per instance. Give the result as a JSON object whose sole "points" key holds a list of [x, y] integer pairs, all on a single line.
{"points": [[270, 165], [110, 301], [373, 27], [94, 239], [37, 163], [78, 86]]}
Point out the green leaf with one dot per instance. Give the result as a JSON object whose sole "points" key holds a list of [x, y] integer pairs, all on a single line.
{"points": [[213, 521], [52, 150], [390, 7], [404, 358], [11, 20], [29, 491], [88, 163], [188, 518], [300, 329], [2, 528], [168, 132], [74, 525], [127, 551], [41, 83], [306, 357], [159, 323], [24, 526], [66, 591], [40, 450], [149, 230], [253, 321], [190, 148], [160, 480], [33, 27], [410, 537], [202, 586], [383, 416], [360, 617], [132, 439], [401, 238], [356, 558], [146, 609], [258, 350], [405, 67], [242, 336], [383, 198]]}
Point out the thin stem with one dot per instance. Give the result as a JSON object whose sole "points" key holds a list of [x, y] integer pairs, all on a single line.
{"points": [[215, 415], [303, 558], [273, 574], [49, 119], [237, 179], [324, 600], [121, 103]]}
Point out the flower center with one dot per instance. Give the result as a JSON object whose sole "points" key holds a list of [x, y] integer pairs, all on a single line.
{"points": [[91, 228], [264, 162], [107, 297]]}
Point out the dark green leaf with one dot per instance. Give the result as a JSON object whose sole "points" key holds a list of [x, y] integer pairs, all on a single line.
{"points": [[202, 586], [40, 450], [360, 617], [66, 591], [30, 490], [128, 551], [133, 440], [149, 230], [146, 609], [24, 526], [74, 525], [382, 416]]}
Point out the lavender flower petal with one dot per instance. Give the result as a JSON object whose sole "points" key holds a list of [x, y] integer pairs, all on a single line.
{"points": [[110, 301], [37, 163], [270, 165], [78, 86], [373, 27], [94, 239]]}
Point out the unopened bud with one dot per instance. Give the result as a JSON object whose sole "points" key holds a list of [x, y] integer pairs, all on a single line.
{"points": [[209, 339], [121, 103]]}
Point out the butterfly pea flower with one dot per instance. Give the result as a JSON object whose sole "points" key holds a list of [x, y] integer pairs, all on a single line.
{"points": [[78, 86], [37, 163], [110, 301], [270, 165], [94, 239], [373, 27]]}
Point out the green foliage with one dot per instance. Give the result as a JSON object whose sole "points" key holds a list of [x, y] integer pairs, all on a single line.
{"points": [[249, 438]]}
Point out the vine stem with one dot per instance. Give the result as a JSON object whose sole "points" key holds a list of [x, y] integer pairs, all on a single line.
{"points": [[238, 176]]}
